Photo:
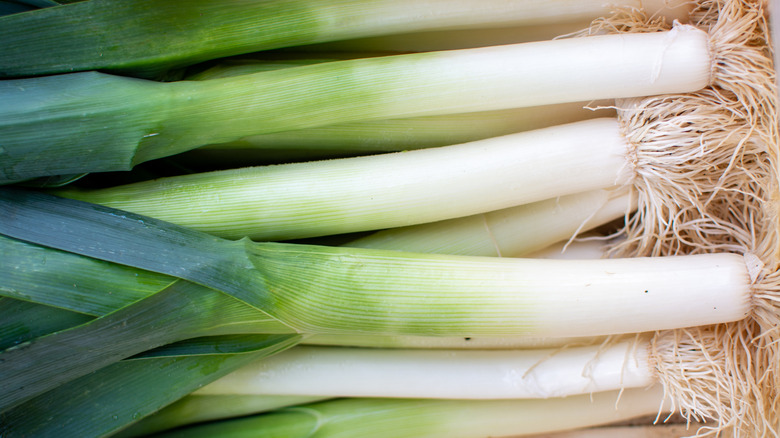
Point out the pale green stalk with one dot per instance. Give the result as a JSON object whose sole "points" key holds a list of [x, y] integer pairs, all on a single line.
{"points": [[449, 342], [400, 418], [194, 409], [362, 138], [384, 191], [376, 135]]}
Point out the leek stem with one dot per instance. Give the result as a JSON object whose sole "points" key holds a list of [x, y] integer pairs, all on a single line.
{"points": [[512, 232], [202, 408], [396, 135], [301, 200], [400, 418], [442, 374]]}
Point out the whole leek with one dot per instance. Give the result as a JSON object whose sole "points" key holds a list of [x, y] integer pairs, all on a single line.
{"points": [[97, 35], [119, 122]]}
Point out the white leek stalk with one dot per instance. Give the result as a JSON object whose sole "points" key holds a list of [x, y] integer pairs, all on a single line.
{"points": [[448, 374], [590, 247], [565, 18], [512, 232]]}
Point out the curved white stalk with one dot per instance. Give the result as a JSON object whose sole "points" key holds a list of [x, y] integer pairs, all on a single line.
{"points": [[451, 374], [512, 232], [592, 247]]}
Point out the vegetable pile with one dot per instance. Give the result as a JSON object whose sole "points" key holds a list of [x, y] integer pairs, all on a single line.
{"points": [[345, 218]]}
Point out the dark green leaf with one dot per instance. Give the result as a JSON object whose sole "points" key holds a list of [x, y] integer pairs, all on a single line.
{"points": [[61, 279], [114, 397], [206, 345], [181, 311], [134, 240]]}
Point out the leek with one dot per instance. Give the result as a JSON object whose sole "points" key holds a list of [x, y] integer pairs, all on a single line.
{"points": [[443, 374], [56, 278], [428, 41], [97, 35], [379, 136], [376, 135], [345, 290], [438, 418], [637, 430], [119, 122], [310, 199], [512, 232], [202, 408]]}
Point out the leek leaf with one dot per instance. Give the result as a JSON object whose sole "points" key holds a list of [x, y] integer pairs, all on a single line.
{"points": [[207, 345], [61, 279], [120, 394], [181, 311], [145, 243], [201, 408], [21, 321]]}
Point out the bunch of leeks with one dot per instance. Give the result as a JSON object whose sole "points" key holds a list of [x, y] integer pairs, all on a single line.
{"points": [[688, 173]]}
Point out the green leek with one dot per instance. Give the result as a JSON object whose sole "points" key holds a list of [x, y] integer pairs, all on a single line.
{"points": [[400, 418], [299, 200], [119, 122], [362, 138], [97, 35], [314, 289], [202, 408]]}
